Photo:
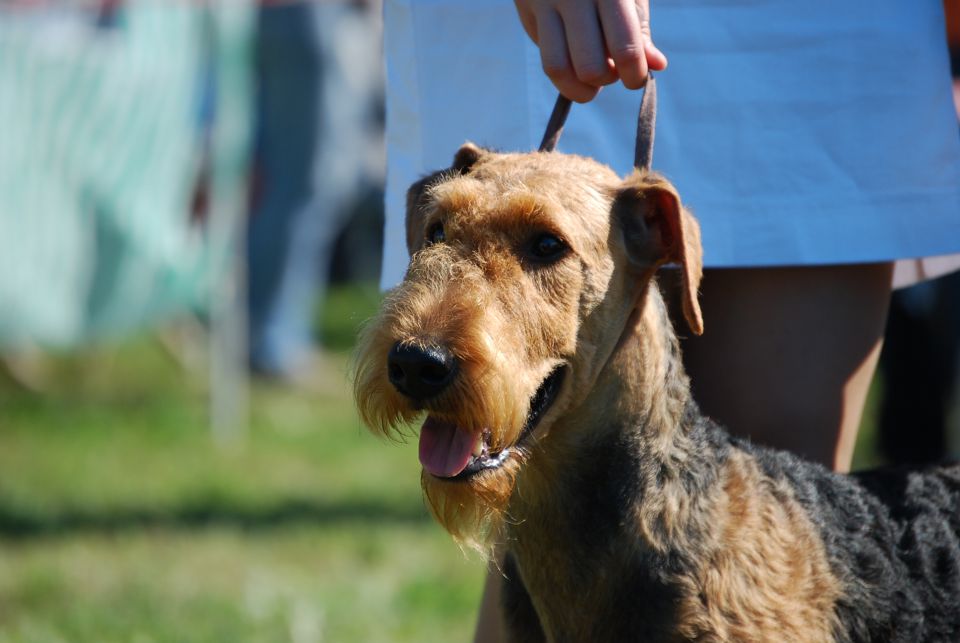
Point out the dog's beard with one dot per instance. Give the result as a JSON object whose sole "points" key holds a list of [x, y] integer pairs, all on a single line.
{"points": [[490, 397], [473, 511]]}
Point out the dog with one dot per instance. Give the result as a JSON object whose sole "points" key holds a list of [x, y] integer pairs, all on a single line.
{"points": [[531, 335]]}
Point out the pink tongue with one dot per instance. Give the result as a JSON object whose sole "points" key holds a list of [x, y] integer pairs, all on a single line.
{"points": [[445, 449]]}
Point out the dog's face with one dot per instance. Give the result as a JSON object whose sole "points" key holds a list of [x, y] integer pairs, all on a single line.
{"points": [[524, 271]]}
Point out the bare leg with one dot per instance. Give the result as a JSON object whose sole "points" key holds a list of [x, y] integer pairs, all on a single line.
{"points": [[788, 354], [490, 627]]}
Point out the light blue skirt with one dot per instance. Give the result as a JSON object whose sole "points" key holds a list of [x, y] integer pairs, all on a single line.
{"points": [[799, 133]]}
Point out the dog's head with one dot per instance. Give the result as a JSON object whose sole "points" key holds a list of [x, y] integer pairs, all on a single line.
{"points": [[524, 273]]}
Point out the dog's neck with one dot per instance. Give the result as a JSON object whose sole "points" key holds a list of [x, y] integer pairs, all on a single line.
{"points": [[619, 468], [642, 388], [639, 407]]}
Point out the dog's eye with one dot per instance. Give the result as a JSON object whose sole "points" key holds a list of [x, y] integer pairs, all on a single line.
{"points": [[547, 247], [435, 234]]}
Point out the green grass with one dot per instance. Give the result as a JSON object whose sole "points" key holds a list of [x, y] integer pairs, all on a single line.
{"points": [[122, 520]]}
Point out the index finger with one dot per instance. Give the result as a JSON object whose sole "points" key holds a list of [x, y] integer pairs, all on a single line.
{"points": [[555, 58], [625, 40]]}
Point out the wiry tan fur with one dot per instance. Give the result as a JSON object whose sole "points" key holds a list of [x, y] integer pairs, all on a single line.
{"points": [[475, 298], [760, 572], [764, 576]]}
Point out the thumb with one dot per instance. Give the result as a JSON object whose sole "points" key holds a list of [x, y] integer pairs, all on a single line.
{"points": [[656, 60], [528, 19]]}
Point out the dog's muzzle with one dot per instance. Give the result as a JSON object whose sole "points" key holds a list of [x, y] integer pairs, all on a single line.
{"points": [[449, 452]]}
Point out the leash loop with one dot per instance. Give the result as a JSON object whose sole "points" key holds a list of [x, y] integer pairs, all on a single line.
{"points": [[555, 125], [646, 125]]}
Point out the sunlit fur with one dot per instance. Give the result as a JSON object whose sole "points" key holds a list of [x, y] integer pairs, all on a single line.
{"points": [[508, 323]]}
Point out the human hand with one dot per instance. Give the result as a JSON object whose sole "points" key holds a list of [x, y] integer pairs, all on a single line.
{"points": [[586, 44]]}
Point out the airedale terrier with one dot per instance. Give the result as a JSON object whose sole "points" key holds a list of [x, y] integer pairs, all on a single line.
{"points": [[531, 334]]}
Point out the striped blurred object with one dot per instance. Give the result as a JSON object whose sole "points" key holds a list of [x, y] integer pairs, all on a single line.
{"points": [[109, 114]]}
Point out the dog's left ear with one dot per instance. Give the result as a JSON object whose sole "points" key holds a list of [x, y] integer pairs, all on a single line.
{"points": [[657, 229]]}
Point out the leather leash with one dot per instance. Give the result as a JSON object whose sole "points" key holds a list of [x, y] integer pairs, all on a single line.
{"points": [[646, 125]]}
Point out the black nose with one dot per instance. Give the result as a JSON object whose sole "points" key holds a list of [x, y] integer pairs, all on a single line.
{"points": [[420, 372]]}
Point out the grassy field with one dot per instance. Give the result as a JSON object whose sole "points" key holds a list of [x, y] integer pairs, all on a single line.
{"points": [[122, 521]]}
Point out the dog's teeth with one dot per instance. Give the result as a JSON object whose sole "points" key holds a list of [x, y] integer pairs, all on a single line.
{"points": [[478, 446]]}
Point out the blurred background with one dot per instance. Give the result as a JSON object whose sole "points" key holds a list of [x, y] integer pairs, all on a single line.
{"points": [[190, 236]]}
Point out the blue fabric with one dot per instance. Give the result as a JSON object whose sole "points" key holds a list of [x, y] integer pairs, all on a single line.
{"points": [[798, 133]]}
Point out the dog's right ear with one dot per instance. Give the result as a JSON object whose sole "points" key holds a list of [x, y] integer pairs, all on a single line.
{"points": [[463, 161], [466, 157], [657, 229]]}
